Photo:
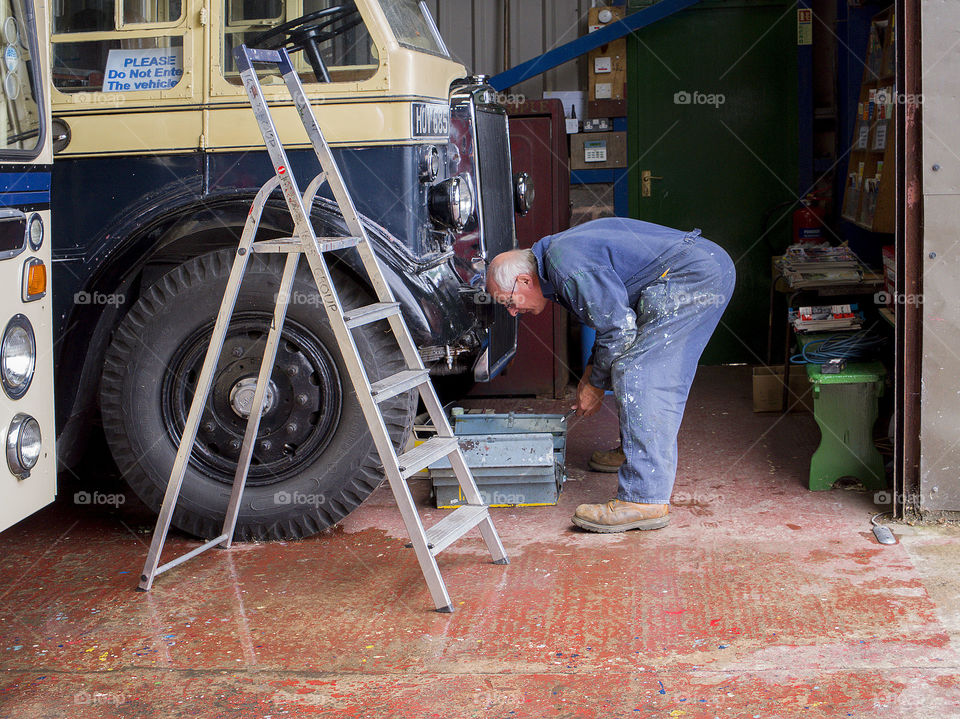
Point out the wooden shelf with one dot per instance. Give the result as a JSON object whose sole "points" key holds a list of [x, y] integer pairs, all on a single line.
{"points": [[870, 195], [889, 315]]}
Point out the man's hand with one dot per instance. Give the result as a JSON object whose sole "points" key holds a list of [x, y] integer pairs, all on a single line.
{"points": [[589, 398]]}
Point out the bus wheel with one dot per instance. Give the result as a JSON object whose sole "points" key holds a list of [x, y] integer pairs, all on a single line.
{"points": [[314, 459]]}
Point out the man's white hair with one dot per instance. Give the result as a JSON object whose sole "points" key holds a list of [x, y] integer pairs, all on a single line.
{"points": [[505, 267]]}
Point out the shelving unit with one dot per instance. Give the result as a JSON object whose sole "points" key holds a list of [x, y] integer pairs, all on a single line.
{"points": [[870, 189]]}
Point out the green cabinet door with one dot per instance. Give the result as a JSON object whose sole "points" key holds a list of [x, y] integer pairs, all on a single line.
{"points": [[713, 119]]}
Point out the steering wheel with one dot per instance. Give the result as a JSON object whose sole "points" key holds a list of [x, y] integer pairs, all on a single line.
{"points": [[308, 31]]}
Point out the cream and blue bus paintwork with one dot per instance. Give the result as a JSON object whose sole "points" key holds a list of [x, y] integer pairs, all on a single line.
{"points": [[28, 474], [157, 158]]}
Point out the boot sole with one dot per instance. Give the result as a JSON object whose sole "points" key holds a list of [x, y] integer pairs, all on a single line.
{"points": [[603, 467], [655, 523]]}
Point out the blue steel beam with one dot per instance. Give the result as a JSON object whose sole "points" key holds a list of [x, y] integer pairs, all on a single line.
{"points": [[586, 43]]}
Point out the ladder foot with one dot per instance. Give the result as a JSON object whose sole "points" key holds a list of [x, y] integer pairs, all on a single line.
{"points": [[505, 560], [446, 610]]}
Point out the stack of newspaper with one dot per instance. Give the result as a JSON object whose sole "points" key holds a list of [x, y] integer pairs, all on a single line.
{"points": [[826, 318], [819, 265]]}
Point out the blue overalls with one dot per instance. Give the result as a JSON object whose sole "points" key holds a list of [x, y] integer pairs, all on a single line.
{"points": [[654, 295]]}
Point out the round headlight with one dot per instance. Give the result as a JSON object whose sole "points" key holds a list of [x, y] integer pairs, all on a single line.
{"points": [[523, 192], [35, 232], [429, 163], [23, 445], [451, 202], [18, 356]]}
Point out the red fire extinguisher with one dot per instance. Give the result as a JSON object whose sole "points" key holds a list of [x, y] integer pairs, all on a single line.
{"points": [[808, 221]]}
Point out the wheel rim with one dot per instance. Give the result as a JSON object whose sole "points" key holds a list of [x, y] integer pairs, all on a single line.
{"points": [[301, 411]]}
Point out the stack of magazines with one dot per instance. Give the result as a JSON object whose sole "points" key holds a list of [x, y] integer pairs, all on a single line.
{"points": [[818, 265], [826, 318]]}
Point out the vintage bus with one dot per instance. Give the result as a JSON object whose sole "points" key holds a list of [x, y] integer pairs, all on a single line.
{"points": [[26, 346], [157, 158]]}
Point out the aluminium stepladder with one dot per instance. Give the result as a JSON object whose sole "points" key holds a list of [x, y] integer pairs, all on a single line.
{"points": [[427, 543]]}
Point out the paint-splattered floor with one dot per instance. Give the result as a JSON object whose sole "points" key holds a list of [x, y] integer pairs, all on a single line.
{"points": [[761, 599]]}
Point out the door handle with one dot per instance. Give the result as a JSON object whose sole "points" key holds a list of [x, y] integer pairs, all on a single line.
{"points": [[645, 182]]}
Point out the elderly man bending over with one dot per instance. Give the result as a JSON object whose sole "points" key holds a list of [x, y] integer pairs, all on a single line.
{"points": [[654, 295]]}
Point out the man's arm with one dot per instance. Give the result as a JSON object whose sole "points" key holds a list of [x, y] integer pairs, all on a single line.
{"points": [[599, 299]]}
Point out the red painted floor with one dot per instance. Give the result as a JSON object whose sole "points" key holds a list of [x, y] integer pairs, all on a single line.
{"points": [[761, 599]]}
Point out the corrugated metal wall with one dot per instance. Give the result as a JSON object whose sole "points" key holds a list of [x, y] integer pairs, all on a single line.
{"points": [[474, 33]]}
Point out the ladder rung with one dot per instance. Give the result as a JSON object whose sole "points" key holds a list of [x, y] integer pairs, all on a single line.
{"points": [[370, 313], [293, 244], [328, 244], [278, 244], [398, 383], [423, 455], [449, 529]]}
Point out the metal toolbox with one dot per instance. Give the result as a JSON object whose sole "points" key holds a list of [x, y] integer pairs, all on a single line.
{"points": [[516, 459]]}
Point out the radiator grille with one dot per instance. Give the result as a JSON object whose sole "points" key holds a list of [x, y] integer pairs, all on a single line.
{"points": [[496, 197], [496, 181]]}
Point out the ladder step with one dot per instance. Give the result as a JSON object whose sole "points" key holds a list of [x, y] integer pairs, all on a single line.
{"points": [[449, 529], [398, 383], [328, 244], [370, 313], [425, 454], [278, 244], [293, 244]]}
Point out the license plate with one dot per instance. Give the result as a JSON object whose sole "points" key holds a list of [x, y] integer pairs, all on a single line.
{"points": [[430, 120]]}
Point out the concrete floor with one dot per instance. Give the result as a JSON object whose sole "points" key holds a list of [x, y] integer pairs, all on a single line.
{"points": [[761, 599]]}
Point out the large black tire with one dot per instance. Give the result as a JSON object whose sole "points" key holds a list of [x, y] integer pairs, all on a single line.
{"points": [[315, 460]]}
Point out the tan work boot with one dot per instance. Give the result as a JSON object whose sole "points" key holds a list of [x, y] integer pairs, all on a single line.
{"points": [[619, 516], [607, 460]]}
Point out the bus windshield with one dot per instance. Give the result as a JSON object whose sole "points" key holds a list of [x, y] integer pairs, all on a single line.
{"points": [[20, 123], [413, 26]]}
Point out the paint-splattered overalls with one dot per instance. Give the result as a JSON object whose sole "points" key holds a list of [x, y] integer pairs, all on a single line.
{"points": [[654, 295]]}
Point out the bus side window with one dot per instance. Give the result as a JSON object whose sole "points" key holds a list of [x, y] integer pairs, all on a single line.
{"points": [[82, 65], [99, 16], [349, 57], [141, 12], [124, 64], [80, 16]]}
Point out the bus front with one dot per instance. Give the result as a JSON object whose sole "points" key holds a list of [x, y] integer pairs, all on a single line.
{"points": [[28, 472]]}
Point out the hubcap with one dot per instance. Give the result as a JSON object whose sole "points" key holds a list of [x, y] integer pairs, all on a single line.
{"points": [[301, 406], [241, 396]]}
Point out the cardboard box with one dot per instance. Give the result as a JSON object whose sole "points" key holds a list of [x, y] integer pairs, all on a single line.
{"points": [[607, 108], [598, 150], [768, 389]]}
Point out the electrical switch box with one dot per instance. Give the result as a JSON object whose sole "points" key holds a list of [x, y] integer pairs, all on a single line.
{"points": [[608, 63], [598, 150]]}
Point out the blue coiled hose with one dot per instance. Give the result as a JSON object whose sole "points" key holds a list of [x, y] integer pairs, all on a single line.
{"points": [[856, 346]]}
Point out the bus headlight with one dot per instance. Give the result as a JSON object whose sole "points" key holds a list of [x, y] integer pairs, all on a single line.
{"points": [[451, 202], [18, 356], [523, 193], [23, 445], [35, 232]]}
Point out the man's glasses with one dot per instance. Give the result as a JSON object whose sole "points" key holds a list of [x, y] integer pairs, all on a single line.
{"points": [[509, 303]]}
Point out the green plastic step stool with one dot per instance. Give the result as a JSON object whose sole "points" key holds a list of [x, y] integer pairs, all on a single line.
{"points": [[845, 407]]}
